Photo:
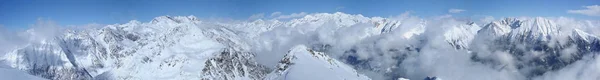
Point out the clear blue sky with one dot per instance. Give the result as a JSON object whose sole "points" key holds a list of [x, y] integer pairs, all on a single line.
{"points": [[22, 13]]}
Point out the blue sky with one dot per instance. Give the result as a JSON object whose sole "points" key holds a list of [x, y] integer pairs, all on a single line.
{"points": [[22, 13]]}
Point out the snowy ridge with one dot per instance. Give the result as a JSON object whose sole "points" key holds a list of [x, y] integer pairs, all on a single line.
{"points": [[495, 29], [538, 29], [578, 34], [511, 22], [302, 63], [461, 35], [233, 66]]}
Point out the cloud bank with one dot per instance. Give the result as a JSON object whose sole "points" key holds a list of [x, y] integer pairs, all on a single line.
{"points": [[278, 15], [593, 10]]}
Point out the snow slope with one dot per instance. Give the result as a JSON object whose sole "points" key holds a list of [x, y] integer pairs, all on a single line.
{"points": [[302, 63]]}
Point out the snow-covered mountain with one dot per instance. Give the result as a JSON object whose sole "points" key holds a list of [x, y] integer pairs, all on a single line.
{"points": [[302, 63], [334, 46], [544, 44], [181, 47]]}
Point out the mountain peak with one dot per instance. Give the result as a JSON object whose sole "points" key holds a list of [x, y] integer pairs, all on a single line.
{"points": [[495, 29], [511, 22], [176, 19], [461, 35], [583, 35], [537, 28]]}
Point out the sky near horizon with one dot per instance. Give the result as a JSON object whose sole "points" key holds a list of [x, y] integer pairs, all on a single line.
{"points": [[23, 13]]}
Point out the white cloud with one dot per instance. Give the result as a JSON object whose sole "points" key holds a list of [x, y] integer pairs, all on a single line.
{"points": [[293, 15], [456, 10], [482, 20], [257, 16], [275, 14], [42, 30], [593, 10], [586, 69]]}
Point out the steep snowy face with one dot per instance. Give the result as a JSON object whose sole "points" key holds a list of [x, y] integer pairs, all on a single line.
{"points": [[495, 29], [302, 63], [44, 60], [461, 35], [585, 42], [234, 66], [535, 29], [511, 22], [579, 34], [65, 57]]}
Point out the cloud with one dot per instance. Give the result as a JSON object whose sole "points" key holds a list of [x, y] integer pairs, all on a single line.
{"points": [[487, 19], [42, 30], [293, 15], [443, 17], [586, 69], [593, 10], [275, 14], [7, 39], [456, 10], [257, 16]]}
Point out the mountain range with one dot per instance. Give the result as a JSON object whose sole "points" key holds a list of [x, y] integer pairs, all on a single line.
{"points": [[331, 46]]}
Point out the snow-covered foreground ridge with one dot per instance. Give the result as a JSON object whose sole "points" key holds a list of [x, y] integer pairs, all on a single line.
{"points": [[330, 46]]}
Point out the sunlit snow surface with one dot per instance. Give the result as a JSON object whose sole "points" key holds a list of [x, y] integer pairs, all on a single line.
{"points": [[318, 46], [308, 64]]}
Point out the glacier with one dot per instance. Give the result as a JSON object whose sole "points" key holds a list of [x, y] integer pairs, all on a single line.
{"points": [[332, 46]]}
